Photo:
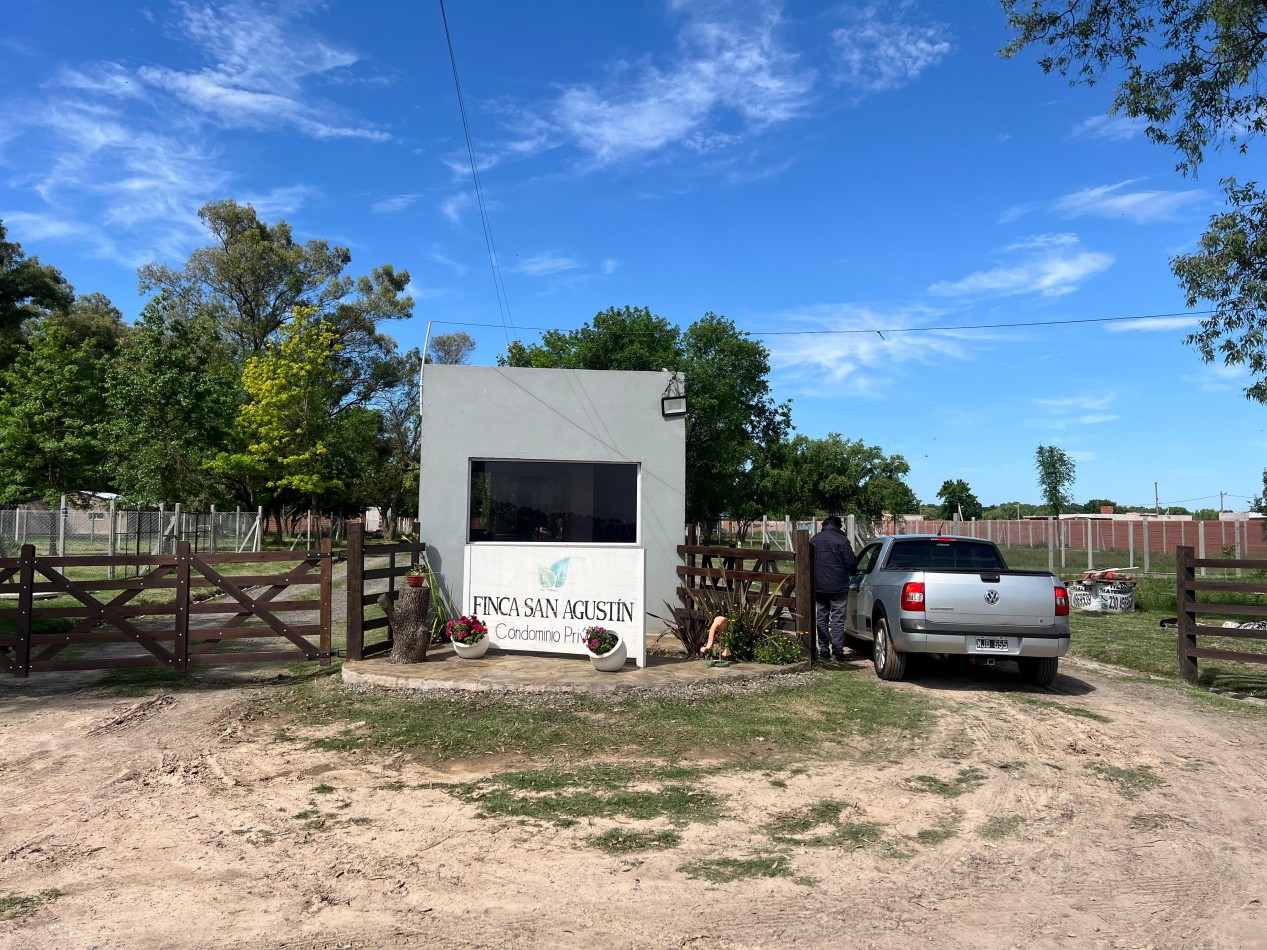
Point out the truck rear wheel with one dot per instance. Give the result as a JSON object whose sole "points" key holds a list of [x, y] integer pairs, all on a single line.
{"points": [[890, 664], [1040, 671]]}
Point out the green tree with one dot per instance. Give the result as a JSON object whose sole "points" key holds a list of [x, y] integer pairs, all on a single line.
{"points": [[835, 475], [731, 415], [1190, 69], [286, 419], [957, 498], [1093, 505], [450, 349], [28, 289], [52, 419], [629, 338], [1056, 472], [392, 481], [173, 392], [252, 278]]}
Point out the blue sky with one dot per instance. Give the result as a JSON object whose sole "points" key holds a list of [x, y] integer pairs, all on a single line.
{"points": [[844, 168]]}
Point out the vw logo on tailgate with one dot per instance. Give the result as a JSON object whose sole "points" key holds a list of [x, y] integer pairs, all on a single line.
{"points": [[992, 597]]}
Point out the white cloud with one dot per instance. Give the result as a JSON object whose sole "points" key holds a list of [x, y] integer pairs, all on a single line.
{"points": [[394, 203], [1118, 128], [1153, 325], [610, 266], [136, 150], [542, 265], [1114, 201], [1078, 402], [856, 346], [1052, 265], [1096, 419], [733, 66], [28, 226], [454, 206], [878, 55]]}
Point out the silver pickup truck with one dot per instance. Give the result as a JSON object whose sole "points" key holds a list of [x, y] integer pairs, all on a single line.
{"points": [[952, 595]]}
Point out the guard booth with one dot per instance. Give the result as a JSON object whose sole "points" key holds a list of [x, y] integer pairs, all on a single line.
{"points": [[553, 500]]}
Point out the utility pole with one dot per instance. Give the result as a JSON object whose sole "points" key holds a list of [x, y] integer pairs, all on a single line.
{"points": [[1221, 494], [1156, 499]]}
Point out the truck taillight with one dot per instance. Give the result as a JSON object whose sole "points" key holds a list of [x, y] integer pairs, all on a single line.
{"points": [[913, 595], [1062, 602]]}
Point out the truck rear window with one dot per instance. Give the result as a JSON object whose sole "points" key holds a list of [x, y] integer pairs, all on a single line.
{"points": [[936, 554]]}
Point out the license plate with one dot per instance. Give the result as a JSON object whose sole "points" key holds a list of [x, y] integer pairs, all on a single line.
{"points": [[993, 644]]}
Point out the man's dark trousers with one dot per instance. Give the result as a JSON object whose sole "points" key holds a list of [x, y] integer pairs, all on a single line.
{"points": [[829, 617]]}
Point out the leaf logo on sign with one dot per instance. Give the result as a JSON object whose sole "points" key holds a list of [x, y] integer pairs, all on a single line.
{"points": [[554, 576]]}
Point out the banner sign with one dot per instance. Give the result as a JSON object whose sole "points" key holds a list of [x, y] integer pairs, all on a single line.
{"points": [[541, 597]]}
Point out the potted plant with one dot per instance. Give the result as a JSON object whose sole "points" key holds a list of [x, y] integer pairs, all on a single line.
{"points": [[606, 649], [417, 574], [469, 636]]}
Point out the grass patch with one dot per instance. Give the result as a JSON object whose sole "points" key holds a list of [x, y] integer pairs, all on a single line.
{"points": [[323, 789], [141, 680], [943, 832], [1001, 826], [1129, 781], [625, 841], [967, 780], [23, 907], [834, 706], [820, 825], [724, 870], [564, 798], [1059, 707]]}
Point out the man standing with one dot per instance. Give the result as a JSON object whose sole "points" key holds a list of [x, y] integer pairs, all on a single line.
{"points": [[834, 561]]}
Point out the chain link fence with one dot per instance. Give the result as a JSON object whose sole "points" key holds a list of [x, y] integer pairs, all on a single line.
{"points": [[69, 531]]}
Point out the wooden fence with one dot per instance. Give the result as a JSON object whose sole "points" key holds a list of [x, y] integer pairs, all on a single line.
{"points": [[766, 571], [1188, 585], [186, 630], [358, 599]]}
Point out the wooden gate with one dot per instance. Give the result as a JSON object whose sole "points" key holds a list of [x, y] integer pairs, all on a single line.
{"points": [[1188, 585], [197, 613]]}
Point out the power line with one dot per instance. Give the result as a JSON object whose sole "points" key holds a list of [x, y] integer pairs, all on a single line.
{"points": [[966, 326], [499, 285]]}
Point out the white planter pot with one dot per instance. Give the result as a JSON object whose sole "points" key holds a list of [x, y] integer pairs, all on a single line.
{"points": [[473, 651], [610, 662]]}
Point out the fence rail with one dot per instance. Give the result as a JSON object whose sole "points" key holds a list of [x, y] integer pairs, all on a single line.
{"points": [[182, 628], [1189, 585], [358, 552], [763, 571]]}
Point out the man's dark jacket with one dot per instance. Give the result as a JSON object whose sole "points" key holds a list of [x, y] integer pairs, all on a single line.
{"points": [[834, 560]]}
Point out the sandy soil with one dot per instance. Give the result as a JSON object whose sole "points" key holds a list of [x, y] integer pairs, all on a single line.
{"points": [[170, 821]]}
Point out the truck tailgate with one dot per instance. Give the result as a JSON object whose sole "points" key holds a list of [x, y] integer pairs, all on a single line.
{"points": [[972, 598]]}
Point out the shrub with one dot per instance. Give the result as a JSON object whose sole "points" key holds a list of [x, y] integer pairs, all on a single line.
{"points": [[466, 630], [777, 648]]}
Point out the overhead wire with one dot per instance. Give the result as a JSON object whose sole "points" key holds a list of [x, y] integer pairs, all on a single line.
{"points": [[499, 285], [847, 330]]}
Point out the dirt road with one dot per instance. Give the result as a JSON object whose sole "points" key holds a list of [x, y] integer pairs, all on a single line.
{"points": [[1106, 813]]}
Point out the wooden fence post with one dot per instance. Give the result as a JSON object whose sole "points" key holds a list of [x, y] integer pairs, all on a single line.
{"points": [[805, 590], [26, 599], [1186, 603], [356, 590], [180, 648], [327, 601]]}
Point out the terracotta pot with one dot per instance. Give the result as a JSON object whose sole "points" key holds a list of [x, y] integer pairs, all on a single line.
{"points": [[414, 580]]}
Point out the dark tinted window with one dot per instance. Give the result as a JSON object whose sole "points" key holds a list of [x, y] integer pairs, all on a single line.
{"points": [[935, 554], [554, 501]]}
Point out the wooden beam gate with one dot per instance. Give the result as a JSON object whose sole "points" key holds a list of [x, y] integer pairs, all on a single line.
{"points": [[1188, 585], [358, 553], [787, 573], [186, 628]]}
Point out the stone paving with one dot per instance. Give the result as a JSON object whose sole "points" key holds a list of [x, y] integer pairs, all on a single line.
{"points": [[537, 673]]}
